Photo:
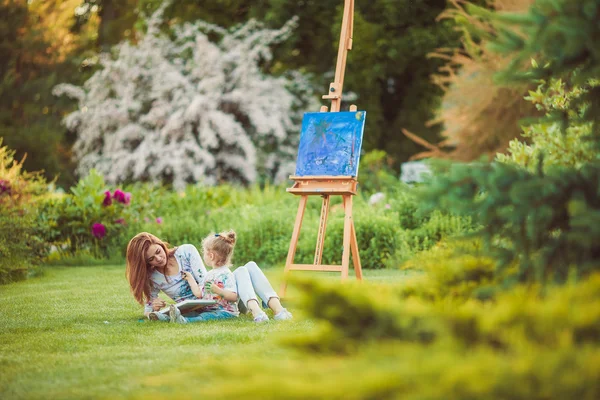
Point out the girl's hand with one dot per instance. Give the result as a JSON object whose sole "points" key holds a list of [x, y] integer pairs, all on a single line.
{"points": [[157, 304], [213, 288], [187, 276]]}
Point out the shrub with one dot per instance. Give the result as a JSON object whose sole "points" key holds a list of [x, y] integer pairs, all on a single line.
{"points": [[20, 244], [549, 146], [532, 342], [479, 115], [90, 218], [546, 220], [376, 173], [262, 216], [458, 269], [376, 236]]}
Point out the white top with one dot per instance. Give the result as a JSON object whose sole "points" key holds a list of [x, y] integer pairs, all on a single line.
{"points": [[223, 278], [177, 288]]}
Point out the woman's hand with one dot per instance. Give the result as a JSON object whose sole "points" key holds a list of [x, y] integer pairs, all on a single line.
{"points": [[157, 304]]}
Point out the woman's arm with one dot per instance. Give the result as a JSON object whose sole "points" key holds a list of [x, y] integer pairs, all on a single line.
{"points": [[156, 305], [196, 264], [153, 303]]}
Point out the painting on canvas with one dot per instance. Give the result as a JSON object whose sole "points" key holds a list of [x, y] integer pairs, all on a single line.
{"points": [[330, 143]]}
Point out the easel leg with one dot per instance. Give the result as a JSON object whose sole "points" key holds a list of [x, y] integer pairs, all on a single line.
{"points": [[355, 255], [347, 235], [293, 243], [322, 229]]}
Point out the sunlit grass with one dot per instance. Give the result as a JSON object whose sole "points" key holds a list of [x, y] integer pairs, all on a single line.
{"points": [[76, 332]]}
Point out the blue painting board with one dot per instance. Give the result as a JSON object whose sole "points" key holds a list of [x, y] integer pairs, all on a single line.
{"points": [[330, 143]]}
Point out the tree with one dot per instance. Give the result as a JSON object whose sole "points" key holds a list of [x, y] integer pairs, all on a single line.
{"points": [[388, 71], [112, 20], [33, 57], [193, 106], [388, 68], [547, 146], [478, 116], [546, 222]]}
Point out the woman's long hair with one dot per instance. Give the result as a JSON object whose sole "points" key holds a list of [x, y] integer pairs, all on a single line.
{"points": [[138, 271]]}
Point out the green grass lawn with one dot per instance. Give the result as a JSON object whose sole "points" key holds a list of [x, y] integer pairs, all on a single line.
{"points": [[76, 332]]}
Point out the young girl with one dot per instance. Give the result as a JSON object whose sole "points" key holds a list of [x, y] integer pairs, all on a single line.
{"points": [[219, 283]]}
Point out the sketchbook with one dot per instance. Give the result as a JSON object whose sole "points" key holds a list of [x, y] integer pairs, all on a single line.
{"points": [[189, 305]]}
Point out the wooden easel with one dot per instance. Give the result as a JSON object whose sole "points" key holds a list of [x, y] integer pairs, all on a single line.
{"points": [[326, 186]]}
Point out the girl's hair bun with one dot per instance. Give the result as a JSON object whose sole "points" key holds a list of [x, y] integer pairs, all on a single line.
{"points": [[230, 237]]}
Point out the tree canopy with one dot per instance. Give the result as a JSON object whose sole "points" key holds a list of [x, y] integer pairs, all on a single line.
{"points": [[387, 74]]}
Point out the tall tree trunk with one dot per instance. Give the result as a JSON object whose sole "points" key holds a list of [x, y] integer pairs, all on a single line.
{"points": [[108, 14]]}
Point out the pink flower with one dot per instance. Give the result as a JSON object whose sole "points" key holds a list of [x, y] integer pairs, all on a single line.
{"points": [[159, 220], [107, 199], [387, 206], [120, 221], [4, 186], [98, 230], [119, 196], [127, 198]]}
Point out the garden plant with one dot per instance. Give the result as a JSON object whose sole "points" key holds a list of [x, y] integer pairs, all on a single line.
{"points": [[482, 282]]}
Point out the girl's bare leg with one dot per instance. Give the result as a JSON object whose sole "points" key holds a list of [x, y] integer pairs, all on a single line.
{"points": [[275, 305]]}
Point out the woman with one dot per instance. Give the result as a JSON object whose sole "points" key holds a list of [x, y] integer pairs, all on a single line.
{"points": [[153, 267]]}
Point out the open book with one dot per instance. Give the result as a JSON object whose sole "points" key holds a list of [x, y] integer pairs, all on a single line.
{"points": [[189, 305]]}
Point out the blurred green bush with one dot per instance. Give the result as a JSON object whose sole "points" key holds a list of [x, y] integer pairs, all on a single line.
{"points": [[415, 340], [21, 245]]}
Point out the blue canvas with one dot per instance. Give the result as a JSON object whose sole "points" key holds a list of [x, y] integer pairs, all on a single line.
{"points": [[330, 143]]}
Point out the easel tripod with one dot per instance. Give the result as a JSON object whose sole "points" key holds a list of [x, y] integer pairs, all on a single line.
{"points": [[326, 186]]}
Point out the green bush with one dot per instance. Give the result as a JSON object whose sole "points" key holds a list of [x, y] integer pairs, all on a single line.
{"points": [[544, 222], [545, 218], [532, 342], [548, 145], [525, 316], [263, 217], [21, 246], [452, 269], [90, 219], [376, 173]]}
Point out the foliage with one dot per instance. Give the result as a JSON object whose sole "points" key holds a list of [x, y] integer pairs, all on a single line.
{"points": [[90, 219], [549, 145], [387, 234], [478, 115], [565, 52], [527, 343], [515, 319], [387, 72], [39, 50], [190, 107], [376, 233], [111, 20], [454, 270], [545, 220], [388, 69], [21, 247], [376, 173]]}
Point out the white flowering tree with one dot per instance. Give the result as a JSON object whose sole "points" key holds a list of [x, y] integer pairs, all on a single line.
{"points": [[191, 106]]}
